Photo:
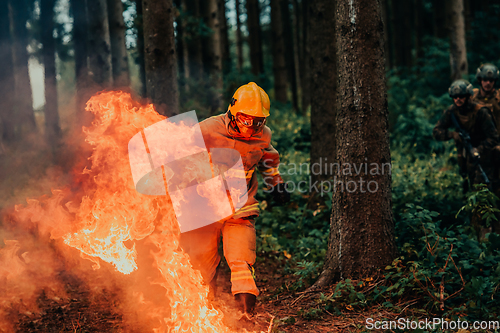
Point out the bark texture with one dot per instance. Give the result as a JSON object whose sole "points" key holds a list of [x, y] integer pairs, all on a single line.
{"points": [[387, 39], [362, 230], [99, 46], [160, 55], [24, 115], [254, 37], [278, 49], [7, 125], [458, 50], [52, 129], [119, 57]]}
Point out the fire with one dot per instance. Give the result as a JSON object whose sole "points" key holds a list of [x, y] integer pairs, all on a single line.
{"points": [[109, 221]]}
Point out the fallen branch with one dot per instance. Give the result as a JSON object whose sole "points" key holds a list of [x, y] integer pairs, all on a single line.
{"points": [[269, 329]]}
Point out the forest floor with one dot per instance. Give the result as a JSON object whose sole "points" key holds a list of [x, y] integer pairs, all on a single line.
{"points": [[84, 310]]}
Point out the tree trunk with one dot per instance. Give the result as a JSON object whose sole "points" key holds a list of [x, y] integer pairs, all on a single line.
{"points": [[140, 48], [99, 45], [160, 55], [323, 70], [298, 7], [119, 56], [52, 129], [7, 124], [278, 48], [254, 37], [401, 16], [289, 49], [180, 43], [214, 53], [185, 50], [23, 95], [80, 30], [305, 68], [387, 38], [417, 24], [440, 24], [195, 51], [239, 40], [226, 59], [468, 16], [299, 18], [458, 51], [205, 41], [362, 230], [296, 46]]}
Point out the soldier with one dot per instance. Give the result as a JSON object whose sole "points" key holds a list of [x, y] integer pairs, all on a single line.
{"points": [[486, 76], [477, 121]]}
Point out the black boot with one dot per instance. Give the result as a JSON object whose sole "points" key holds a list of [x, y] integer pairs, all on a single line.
{"points": [[246, 303]]}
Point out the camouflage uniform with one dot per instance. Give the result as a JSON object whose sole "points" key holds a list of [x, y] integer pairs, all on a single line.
{"points": [[478, 122], [477, 119], [492, 101]]}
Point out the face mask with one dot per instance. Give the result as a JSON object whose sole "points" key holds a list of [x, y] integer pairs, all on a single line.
{"points": [[249, 125]]}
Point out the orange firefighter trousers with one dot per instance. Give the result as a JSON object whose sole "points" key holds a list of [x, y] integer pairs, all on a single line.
{"points": [[239, 250]]}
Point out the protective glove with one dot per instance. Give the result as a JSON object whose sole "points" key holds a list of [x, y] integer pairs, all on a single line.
{"points": [[280, 194]]}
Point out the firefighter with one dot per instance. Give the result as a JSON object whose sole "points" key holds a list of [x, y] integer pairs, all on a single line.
{"points": [[242, 128]]}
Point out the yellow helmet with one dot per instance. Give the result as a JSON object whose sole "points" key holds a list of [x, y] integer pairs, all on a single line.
{"points": [[250, 99]]}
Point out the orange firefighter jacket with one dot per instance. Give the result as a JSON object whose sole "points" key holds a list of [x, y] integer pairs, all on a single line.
{"points": [[256, 153]]}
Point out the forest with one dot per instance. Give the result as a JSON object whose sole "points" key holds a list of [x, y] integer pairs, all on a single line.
{"points": [[383, 228]]}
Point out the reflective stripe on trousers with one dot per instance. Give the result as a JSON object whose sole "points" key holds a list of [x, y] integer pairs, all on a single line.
{"points": [[239, 250]]}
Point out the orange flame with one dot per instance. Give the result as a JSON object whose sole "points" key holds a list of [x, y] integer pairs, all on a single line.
{"points": [[112, 217]]}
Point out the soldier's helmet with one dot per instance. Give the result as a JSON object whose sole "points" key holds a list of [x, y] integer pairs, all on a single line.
{"points": [[487, 71], [460, 88]]}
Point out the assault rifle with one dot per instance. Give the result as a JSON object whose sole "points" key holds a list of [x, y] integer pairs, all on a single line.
{"points": [[470, 151]]}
